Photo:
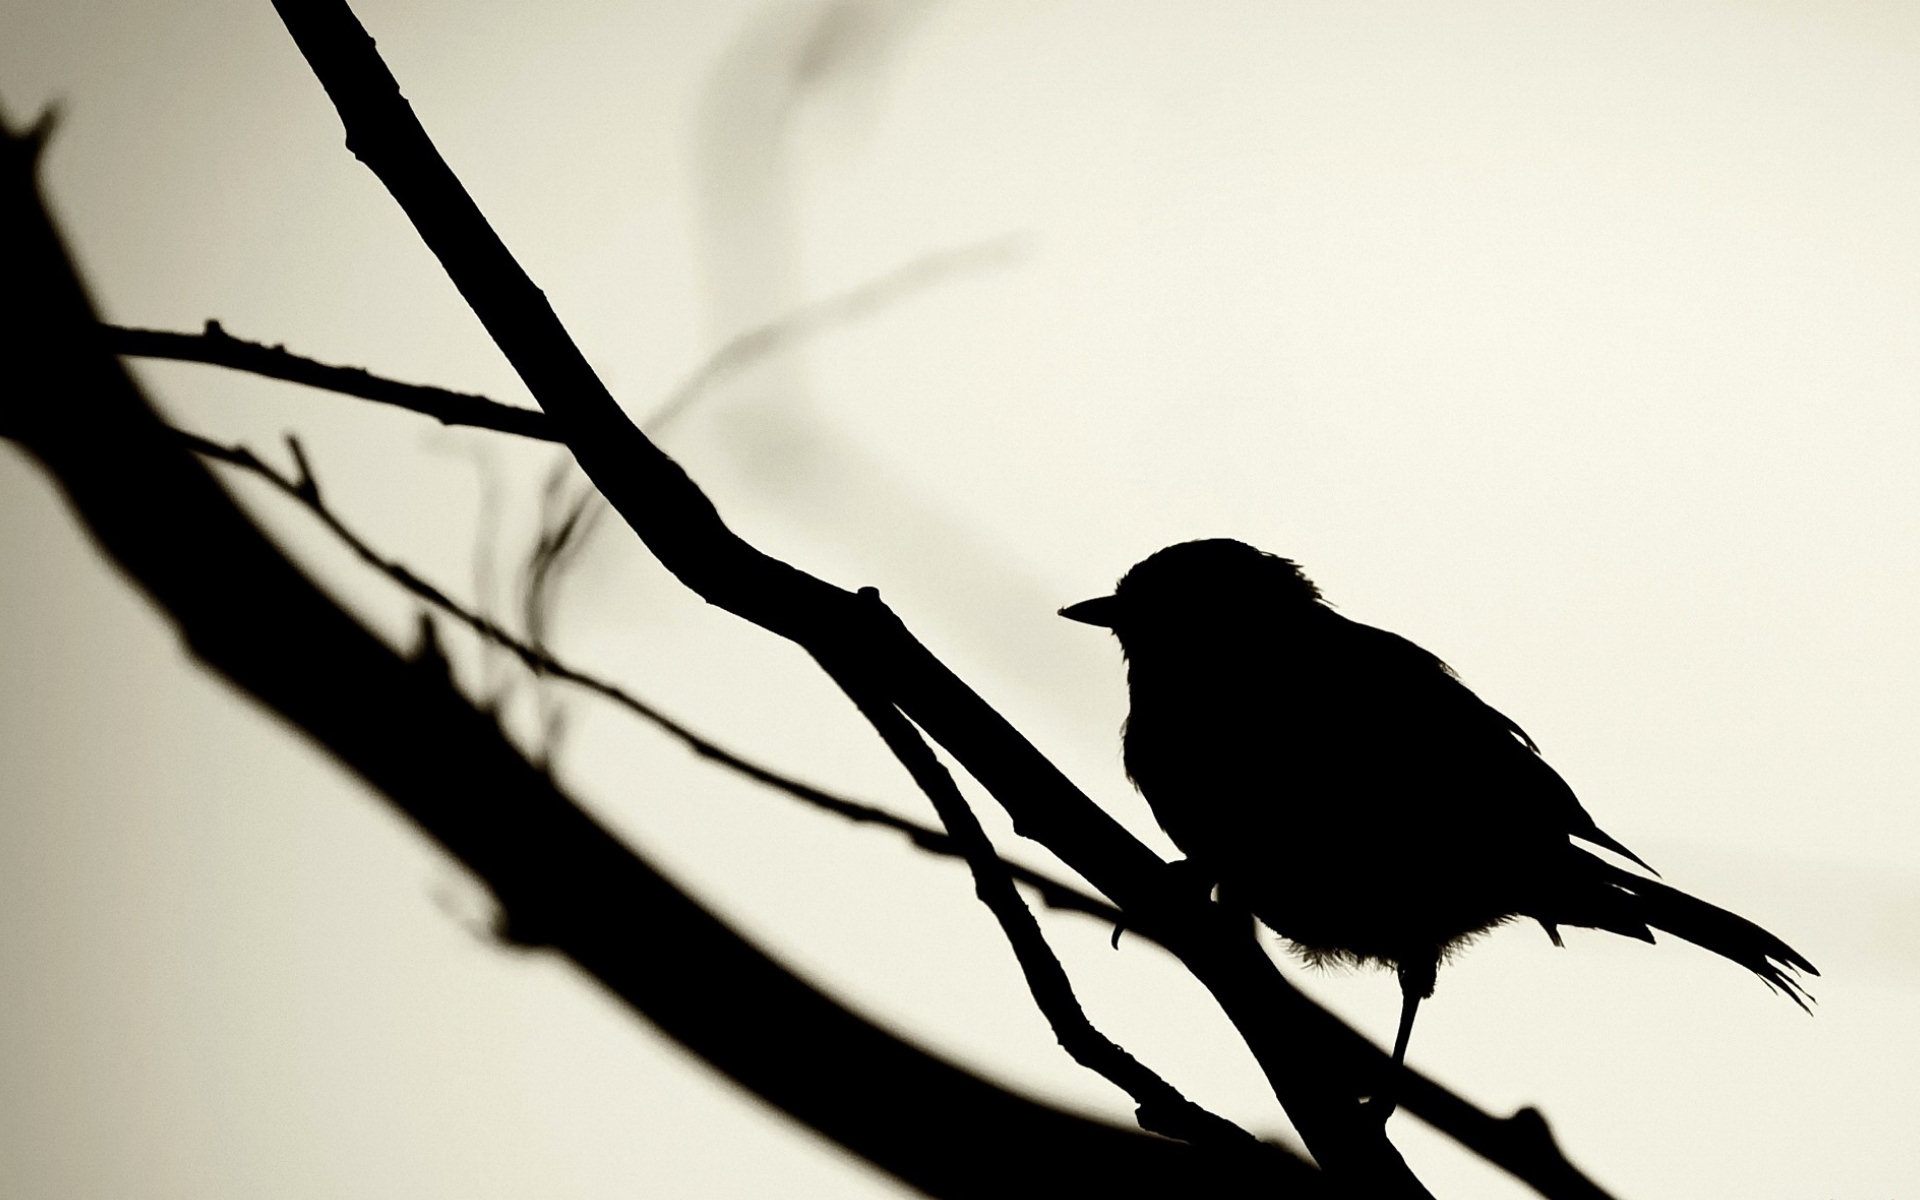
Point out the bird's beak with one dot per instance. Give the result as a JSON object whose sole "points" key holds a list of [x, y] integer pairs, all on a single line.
{"points": [[1101, 611]]}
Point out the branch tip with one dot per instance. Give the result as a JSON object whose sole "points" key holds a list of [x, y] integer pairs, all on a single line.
{"points": [[25, 147], [305, 486], [41, 132]]}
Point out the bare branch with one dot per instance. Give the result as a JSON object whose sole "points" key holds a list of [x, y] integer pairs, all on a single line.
{"points": [[757, 343], [1312, 1063], [216, 347], [563, 880], [561, 539], [1054, 892], [1161, 1108]]}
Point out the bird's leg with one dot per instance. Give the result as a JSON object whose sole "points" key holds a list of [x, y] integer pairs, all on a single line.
{"points": [[1409, 1005], [1416, 984]]}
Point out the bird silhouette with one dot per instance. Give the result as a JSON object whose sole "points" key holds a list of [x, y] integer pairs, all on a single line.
{"points": [[1346, 788]]}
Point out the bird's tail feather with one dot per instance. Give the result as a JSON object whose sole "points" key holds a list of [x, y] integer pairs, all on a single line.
{"points": [[1601, 837], [1705, 925]]}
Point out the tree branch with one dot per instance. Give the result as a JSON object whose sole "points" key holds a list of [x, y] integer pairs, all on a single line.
{"points": [[1161, 1108], [1312, 1063], [562, 879], [757, 343], [1522, 1137], [216, 347], [305, 489]]}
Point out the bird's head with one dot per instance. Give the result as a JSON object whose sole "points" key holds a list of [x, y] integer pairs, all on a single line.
{"points": [[1192, 587]]}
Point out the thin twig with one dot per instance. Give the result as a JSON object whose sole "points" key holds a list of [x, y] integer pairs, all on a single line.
{"points": [[559, 541], [745, 349], [1161, 1107], [216, 347], [1055, 893]]}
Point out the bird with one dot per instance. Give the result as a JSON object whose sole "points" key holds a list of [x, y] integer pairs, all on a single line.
{"points": [[1346, 788]]}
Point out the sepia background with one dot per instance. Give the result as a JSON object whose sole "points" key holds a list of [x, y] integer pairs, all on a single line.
{"points": [[1576, 342]]}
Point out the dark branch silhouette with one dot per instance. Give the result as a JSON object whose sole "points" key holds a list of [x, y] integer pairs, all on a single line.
{"points": [[1520, 1138], [216, 347], [1309, 1060], [568, 523], [1162, 1109], [562, 880], [305, 489], [684, 531], [565, 534]]}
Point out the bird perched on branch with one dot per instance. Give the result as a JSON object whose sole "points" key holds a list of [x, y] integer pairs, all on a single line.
{"points": [[1344, 786]]}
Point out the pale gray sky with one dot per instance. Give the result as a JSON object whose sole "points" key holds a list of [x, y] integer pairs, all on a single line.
{"points": [[1575, 342]]}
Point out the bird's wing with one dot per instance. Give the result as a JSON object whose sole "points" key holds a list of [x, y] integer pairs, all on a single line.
{"points": [[1459, 722]]}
